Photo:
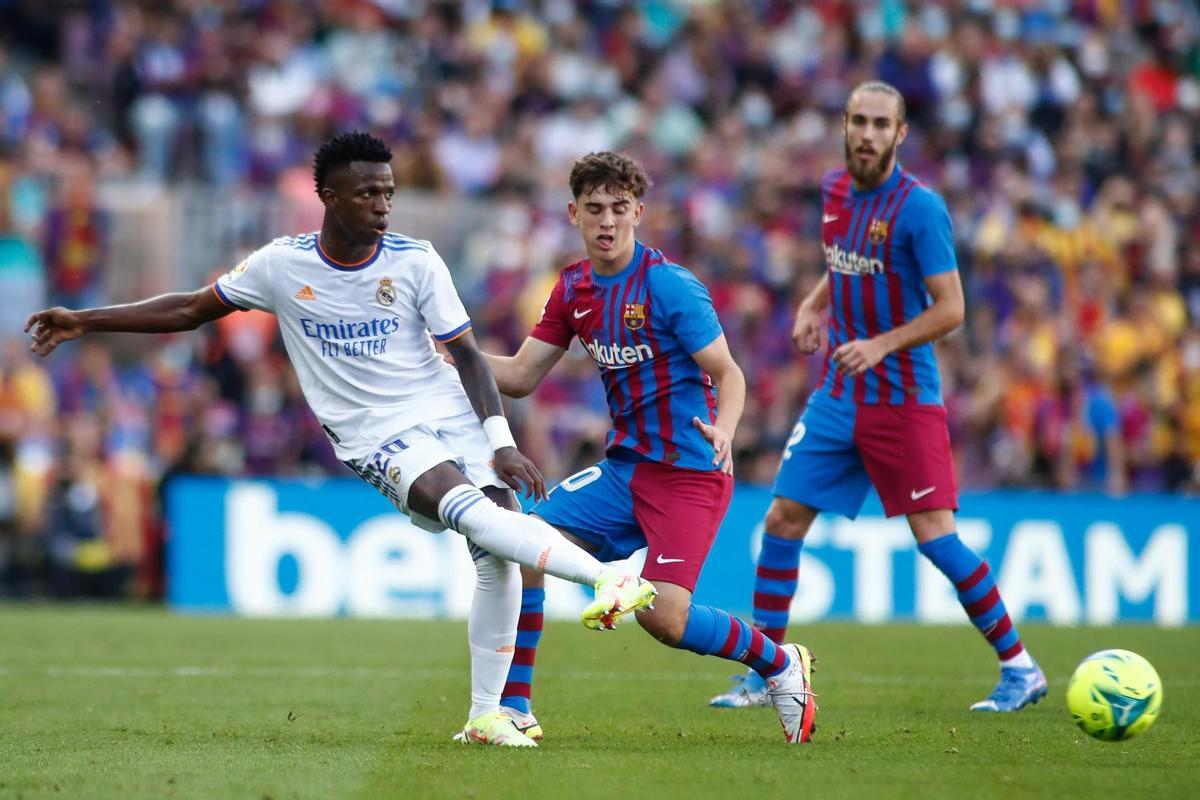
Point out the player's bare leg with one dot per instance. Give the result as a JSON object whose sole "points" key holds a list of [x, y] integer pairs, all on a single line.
{"points": [[787, 519], [929, 525], [668, 619], [1021, 679], [776, 576]]}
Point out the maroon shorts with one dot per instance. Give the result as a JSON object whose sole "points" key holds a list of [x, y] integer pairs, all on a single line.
{"points": [[839, 448], [620, 507], [679, 511], [906, 452]]}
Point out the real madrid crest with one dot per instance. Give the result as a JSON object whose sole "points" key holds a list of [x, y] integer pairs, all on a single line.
{"points": [[877, 232], [385, 295], [393, 474], [634, 316]]}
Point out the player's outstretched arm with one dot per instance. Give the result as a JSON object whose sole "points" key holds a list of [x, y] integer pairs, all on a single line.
{"points": [[513, 468], [167, 313], [716, 360], [519, 375]]}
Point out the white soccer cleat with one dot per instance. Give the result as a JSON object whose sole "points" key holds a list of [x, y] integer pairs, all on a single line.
{"points": [[748, 691], [495, 728], [525, 723], [617, 594], [791, 694]]}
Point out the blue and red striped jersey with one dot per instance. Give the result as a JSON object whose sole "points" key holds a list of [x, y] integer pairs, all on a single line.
{"points": [[880, 246], [641, 327]]}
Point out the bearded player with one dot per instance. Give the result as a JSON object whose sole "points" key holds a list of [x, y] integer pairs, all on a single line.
{"points": [[876, 418]]}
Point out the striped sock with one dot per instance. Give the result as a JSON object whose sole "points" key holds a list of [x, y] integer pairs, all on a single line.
{"points": [[519, 687], [710, 631], [978, 593], [775, 581]]}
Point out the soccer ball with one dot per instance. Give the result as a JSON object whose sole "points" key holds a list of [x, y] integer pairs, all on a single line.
{"points": [[1114, 695]]}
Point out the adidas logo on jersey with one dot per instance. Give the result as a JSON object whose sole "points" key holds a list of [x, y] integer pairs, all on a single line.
{"points": [[306, 293]]}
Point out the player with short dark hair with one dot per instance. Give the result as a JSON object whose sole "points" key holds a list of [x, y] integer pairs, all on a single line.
{"points": [[668, 476], [359, 309], [877, 418], [343, 150]]}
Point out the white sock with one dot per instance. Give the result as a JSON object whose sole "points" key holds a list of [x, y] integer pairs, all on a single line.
{"points": [[492, 628], [516, 537], [1021, 659]]}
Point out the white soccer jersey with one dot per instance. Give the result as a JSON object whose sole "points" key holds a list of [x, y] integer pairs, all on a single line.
{"points": [[360, 335]]}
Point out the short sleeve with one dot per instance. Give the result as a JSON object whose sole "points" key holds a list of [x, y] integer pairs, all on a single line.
{"points": [[933, 235], [686, 305], [248, 285], [439, 303], [553, 328]]}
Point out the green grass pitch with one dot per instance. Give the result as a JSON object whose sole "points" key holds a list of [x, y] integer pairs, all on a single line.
{"points": [[138, 703]]}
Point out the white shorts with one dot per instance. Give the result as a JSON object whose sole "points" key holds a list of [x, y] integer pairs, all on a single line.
{"points": [[402, 458]]}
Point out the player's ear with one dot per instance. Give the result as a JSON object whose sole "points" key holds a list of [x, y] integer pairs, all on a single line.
{"points": [[637, 213], [328, 197], [901, 132], [573, 212]]}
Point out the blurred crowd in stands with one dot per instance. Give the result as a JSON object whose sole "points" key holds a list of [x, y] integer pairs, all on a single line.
{"points": [[1062, 134]]}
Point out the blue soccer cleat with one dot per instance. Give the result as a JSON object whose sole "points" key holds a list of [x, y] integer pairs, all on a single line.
{"points": [[1018, 687], [748, 690]]}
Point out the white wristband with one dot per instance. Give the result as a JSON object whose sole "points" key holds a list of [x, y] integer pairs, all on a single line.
{"points": [[498, 432]]}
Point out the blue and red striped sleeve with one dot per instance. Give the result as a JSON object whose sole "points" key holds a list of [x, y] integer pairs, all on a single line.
{"points": [[554, 327], [686, 305], [932, 233]]}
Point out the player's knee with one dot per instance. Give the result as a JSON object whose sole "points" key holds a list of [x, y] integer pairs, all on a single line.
{"points": [[929, 525], [787, 519], [495, 574], [664, 624]]}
